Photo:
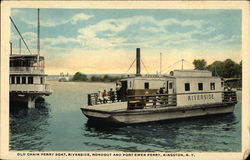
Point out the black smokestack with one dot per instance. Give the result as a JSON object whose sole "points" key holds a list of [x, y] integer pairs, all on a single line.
{"points": [[138, 62]]}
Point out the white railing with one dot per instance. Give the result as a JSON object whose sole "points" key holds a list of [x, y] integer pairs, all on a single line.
{"points": [[44, 88], [26, 70]]}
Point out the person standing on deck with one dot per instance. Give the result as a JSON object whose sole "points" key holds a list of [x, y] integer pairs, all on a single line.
{"points": [[100, 97], [118, 92], [161, 91], [112, 95], [105, 96]]}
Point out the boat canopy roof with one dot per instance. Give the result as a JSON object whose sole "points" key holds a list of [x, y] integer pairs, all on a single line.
{"points": [[192, 73], [174, 75], [25, 57], [26, 61], [148, 77]]}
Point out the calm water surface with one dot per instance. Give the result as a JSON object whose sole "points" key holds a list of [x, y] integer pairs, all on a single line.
{"points": [[61, 126]]}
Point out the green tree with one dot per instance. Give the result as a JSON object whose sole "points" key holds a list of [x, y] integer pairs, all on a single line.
{"points": [[200, 64], [106, 78], [217, 68], [95, 78], [226, 69], [231, 69], [240, 68], [78, 76]]}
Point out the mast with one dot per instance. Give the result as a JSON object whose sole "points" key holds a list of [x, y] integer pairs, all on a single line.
{"points": [[10, 48], [38, 36], [182, 64], [19, 46], [160, 61]]}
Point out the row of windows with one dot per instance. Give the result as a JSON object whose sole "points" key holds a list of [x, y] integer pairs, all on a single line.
{"points": [[24, 80], [146, 85], [187, 86], [200, 86], [26, 63]]}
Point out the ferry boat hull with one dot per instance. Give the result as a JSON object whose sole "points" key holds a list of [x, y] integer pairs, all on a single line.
{"points": [[155, 114]]}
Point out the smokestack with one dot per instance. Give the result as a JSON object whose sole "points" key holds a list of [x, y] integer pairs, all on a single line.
{"points": [[38, 36], [138, 62]]}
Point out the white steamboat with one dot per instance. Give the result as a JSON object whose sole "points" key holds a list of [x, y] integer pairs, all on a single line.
{"points": [[185, 93], [27, 77]]}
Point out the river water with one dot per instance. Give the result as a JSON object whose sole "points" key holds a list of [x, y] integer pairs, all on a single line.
{"points": [[61, 126]]}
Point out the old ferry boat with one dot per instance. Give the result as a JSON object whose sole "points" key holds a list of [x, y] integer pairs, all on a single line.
{"points": [[184, 93], [27, 83]]}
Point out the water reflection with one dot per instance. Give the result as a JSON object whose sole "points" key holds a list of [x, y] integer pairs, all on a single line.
{"points": [[61, 126], [28, 127], [170, 135]]}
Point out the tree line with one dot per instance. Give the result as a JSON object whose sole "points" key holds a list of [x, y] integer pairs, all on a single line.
{"points": [[225, 69], [78, 77]]}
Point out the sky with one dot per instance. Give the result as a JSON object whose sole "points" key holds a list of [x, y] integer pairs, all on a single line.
{"points": [[104, 41]]}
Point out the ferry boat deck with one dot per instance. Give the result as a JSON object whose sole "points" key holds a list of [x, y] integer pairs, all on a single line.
{"points": [[108, 107]]}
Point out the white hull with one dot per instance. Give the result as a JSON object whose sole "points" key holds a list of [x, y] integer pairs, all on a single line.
{"points": [[157, 114]]}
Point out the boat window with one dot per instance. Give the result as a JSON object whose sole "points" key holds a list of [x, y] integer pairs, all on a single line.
{"points": [[23, 80], [212, 86], [187, 87], [12, 80], [30, 80], [146, 85], [130, 84], [17, 80], [200, 86], [170, 85]]}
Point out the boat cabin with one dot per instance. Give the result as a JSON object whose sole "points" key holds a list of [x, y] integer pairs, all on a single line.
{"points": [[25, 69], [194, 87], [142, 85], [190, 86], [27, 78]]}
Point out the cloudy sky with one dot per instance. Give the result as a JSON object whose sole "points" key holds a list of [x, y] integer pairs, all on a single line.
{"points": [[105, 40]]}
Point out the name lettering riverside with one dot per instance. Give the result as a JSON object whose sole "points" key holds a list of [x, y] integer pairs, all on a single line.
{"points": [[200, 97]]}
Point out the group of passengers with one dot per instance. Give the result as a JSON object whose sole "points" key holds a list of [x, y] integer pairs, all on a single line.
{"points": [[109, 96], [105, 96]]}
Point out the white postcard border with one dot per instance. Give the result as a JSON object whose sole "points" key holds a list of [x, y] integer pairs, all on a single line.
{"points": [[4, 79]]}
